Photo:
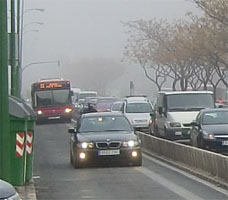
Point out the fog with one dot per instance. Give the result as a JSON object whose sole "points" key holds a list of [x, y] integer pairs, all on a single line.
{"points": [[86, 34]]}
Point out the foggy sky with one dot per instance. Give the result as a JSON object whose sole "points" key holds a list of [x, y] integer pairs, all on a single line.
{"points": [[80, 29]]}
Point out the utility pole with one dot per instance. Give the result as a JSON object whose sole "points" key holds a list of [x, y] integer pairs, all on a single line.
{"points": [[4, 110], [13, 51], [18, 46]]}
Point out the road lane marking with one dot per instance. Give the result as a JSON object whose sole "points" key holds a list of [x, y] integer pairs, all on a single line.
{"points": [[180, 191], [195, 178]]}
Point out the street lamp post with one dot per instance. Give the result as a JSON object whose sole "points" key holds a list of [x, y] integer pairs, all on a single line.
{"points": [[5, 140], [41, 62], [20, 44]]}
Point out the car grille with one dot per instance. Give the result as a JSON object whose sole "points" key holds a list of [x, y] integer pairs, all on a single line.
{"points": [[140, 121], [221, 137], [108, 145]]}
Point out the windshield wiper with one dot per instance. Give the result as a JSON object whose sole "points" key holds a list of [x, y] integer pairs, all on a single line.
{"points": [[177, 109], [194, 109]]}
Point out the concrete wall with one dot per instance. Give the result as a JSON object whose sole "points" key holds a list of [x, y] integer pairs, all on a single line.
{"points": [[202, 160]]}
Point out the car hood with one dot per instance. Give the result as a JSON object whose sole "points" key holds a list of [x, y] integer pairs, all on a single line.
{"points": [[216, 129], [182, 117], [138, 116], [108, 135], [6, 190]]}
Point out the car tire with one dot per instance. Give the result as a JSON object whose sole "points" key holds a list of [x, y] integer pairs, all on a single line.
{"points": [[138, 162], [200, 143], [75, 161]]}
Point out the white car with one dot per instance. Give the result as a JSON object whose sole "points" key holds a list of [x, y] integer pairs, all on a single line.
{"points": [[138, 110]]}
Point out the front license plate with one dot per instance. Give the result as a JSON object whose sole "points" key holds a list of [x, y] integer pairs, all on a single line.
{"points": [[225, 143], [108, 152], [56, 117], [178, 133]]}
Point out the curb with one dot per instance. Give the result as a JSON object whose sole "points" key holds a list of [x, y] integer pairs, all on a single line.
{"points": [[196, 172], [27, 191]]}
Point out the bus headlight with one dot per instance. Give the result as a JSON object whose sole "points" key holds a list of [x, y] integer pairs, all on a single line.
{"points": [[39, 112], [68, 110]]}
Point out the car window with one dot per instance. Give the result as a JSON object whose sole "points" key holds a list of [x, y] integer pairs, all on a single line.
{"points": [[117, 106], [220, 117], [106, 123], [138, 108]]}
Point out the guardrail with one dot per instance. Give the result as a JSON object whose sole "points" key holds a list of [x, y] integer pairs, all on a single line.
{"points": [[205, 161]]}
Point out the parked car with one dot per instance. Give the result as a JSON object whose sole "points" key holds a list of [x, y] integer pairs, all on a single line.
{"points": [[138, 109], [7, 191], [174, 111], [210, 129], [104, 137]]}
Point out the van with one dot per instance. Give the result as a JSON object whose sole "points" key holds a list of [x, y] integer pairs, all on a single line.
{"points": [[174, 111], [138, 109]]}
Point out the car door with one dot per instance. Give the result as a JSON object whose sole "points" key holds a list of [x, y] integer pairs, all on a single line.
{"points": [[195, 131]]}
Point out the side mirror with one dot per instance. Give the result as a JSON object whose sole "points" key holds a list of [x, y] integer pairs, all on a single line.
{"points": [[152, 114], [71, 130], [71, 93], [194, 123]]}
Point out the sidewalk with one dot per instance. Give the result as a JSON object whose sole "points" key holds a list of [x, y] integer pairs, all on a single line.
{"points": [[27, 192]]}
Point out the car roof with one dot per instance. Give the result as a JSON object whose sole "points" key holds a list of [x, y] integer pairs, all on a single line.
{"points": [[137, 99], [214, 109], [186, 92], [102, 114]]}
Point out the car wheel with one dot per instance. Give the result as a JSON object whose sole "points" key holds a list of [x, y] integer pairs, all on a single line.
{"points": [[75, 161], [138, 162], [201, 143]]}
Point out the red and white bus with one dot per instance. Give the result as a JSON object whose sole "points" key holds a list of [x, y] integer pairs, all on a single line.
{"points": [[51, 100]]}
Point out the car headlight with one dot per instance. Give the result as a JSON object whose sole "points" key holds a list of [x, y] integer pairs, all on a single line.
{"points": [[86, 145], [174, 124], [39, 112], [68, 110], [207, 135], [14, 197], [130, 143]]}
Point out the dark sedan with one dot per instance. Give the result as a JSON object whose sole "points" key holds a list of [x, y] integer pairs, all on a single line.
{"points": [[210, 129], [104, 137]]}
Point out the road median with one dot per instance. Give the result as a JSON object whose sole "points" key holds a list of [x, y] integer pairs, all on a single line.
{"points": [[205, 164]]}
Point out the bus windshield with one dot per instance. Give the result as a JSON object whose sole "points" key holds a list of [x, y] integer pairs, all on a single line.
{"points": [[52, 98]]}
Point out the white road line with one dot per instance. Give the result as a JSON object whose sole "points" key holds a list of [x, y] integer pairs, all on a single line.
{"points": [[180, 191], [213, 186]]}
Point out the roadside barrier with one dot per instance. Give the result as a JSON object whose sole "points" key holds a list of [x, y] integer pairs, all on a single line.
{"points": [[205, 161]]}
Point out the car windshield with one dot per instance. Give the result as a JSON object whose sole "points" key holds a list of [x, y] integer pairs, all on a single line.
{"points": [[216, 117], [104, 123], [138, 108], [117, 106], [52, 98], [84, 95], [191, 102]]}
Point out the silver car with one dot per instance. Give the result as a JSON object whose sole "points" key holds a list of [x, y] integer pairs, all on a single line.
{"points": [[7, 191]]}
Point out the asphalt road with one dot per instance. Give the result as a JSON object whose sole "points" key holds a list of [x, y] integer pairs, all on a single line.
{"points": [[55, 178]]}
